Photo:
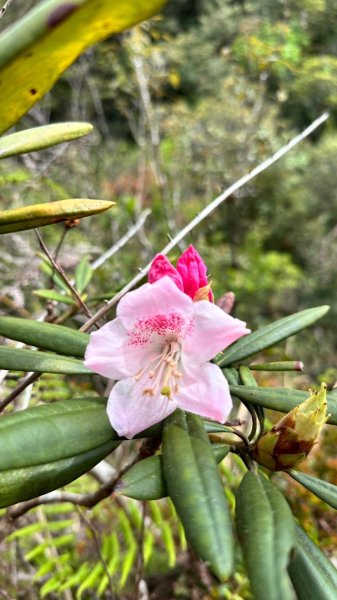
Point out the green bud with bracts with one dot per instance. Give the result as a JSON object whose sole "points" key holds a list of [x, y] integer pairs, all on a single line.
{"points": [[291, 439]]}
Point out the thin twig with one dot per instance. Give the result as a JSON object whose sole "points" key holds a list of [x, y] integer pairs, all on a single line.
{"points": [[99, 551], [206, 212], [5, 7], [88, 500], [122, 241], [19, 388], [63, 275]]}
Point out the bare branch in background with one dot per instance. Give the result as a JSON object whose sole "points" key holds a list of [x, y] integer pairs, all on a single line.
{"points": [[5, 7], [122, 241], [206, 212], [27, 381]]}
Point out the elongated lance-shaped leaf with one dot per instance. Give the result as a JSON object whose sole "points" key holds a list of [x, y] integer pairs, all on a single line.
{"points": [[282, 399], [55, 431], [232, 376], [50, 294], [145, 479], [14, 359], [50, 432], [283, 365], [36, 50], [38, 138], [47, 336], [313, 575], [266, 531], [195, 487], [38, 215], [48, 446], [83, 275], [271, 334], [18, 485], [322, 489]]}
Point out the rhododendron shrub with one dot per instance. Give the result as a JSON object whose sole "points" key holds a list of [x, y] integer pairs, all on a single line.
{"points": [[159, 346]]}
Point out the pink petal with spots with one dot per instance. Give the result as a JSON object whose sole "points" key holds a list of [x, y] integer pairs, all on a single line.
{"points": [[213, 330], [151, 301], [160, 267], [206, 392], [130, 411], [109, 353], [192, 270]]}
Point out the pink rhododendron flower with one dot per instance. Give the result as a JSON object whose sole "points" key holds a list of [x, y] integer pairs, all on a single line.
{"points": [[158, 349]]}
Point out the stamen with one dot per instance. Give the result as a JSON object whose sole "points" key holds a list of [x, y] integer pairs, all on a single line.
{"points": [[163, 371]]}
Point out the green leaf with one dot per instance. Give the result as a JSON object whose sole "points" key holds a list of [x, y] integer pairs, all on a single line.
{"points": [[83, 275], [282, 399], [267, 534], [49, 432], [36, 50], [55, 296], [47, 336], [14, 359], [38, 138], [17, 485], [313, 575], [196, 490], [56, 431], [38, 215], [145, 479], [322, 489], [270, 335], [47, 446]]}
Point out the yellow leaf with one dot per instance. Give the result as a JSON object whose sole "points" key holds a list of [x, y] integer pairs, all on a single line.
{"points": [[37, 215], [37, 49]]}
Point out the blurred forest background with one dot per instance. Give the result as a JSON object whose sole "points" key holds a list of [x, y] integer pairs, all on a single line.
{"points": [[183, 106]]}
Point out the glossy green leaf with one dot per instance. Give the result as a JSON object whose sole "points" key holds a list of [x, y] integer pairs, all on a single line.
{"points": [[47, 336], [55, 431], [196, 490], [145, 479], [313, 575], [47, 446], [282, 399], [55, 296], [83, 275], [232, 376], [14, 359], [322, 489], [38, 138], [17, 485], [271, 334], [36, 50], [266, 531], [38, 215], [282, 365]]}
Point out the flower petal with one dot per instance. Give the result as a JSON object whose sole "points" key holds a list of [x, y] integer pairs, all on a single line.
{"points": [[160, 267], [206, 393], [160, 298], [213, 330], [109, 354], [192, 270], [130, 411]]}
